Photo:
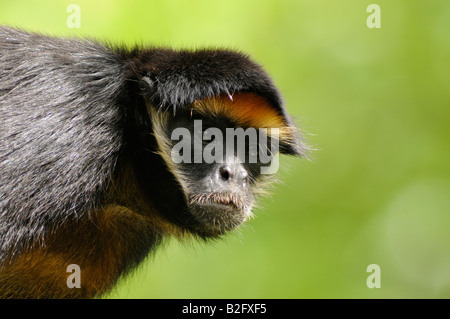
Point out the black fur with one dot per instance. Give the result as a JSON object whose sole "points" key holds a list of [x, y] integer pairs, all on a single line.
{"points": [[61, 131]]}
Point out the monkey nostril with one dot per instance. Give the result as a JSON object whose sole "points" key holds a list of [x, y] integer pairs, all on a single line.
{"points": [[230, 173], [225, 172]]}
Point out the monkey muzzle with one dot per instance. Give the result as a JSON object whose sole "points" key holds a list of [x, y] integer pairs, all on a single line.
{"points": [[217, 213], [235, 202]]}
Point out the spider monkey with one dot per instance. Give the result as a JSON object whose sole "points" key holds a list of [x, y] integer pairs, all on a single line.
{"points": [[86, 173]]}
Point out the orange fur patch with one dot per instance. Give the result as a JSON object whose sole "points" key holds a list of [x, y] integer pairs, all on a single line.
{"points": [[246, 110]]}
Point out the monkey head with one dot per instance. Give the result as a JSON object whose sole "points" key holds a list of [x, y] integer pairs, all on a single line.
{"points": [[218, 124]]}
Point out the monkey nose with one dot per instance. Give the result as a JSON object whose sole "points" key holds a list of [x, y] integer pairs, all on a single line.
{"points": [[233, 173]]}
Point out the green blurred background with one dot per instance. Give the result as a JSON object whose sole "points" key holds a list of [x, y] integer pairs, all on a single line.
{"points": [[375, 104]]}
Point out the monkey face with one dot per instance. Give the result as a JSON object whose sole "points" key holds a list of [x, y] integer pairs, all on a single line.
{"points": [[221, 152], [217, 183], [207, 187]]}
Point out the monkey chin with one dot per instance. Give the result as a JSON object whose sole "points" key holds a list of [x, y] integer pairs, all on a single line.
{"points": [[218, 214]]}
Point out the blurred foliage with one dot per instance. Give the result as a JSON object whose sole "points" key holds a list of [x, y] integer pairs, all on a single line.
{"points": [[375, 106]]}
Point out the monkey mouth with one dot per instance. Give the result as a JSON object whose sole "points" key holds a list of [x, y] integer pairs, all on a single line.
{"points": [[217, 213], [234, 201]]}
